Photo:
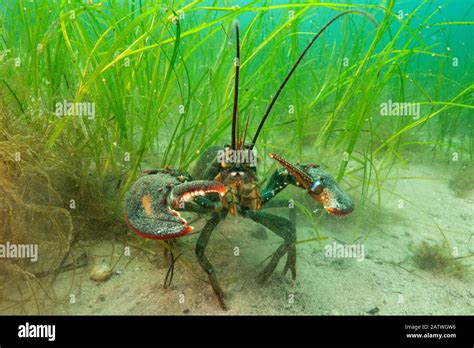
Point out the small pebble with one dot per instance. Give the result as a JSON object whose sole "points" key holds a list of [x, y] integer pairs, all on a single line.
{"points": [[100, 273], [373, 311]]}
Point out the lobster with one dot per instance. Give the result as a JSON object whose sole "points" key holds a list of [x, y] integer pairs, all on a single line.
{"points": [[224, 181]]}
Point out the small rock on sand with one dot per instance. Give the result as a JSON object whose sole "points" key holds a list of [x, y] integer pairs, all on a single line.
{"points": [[100, 273]]}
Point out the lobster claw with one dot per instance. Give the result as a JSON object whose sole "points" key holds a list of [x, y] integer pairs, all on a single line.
{"points": [[320, 185], [151, 202]]}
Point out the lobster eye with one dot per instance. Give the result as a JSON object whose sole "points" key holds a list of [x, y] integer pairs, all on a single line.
{"points": [[241, 173], [317, 186], [233, 173]]}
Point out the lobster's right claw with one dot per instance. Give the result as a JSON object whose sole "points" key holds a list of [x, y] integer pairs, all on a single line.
{"points": [[320, 185], [325, 190], [150, 203]]}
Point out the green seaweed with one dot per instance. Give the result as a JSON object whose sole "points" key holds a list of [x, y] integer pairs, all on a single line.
{"points": [[462, 181], [436, 258], [161, 76]]}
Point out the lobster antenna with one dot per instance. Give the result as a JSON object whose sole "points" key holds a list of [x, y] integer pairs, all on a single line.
{"points": [[235, 26], [267, 112]]}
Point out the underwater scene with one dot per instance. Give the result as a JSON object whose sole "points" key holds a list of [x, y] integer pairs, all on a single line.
{"points": [[236, 157]]}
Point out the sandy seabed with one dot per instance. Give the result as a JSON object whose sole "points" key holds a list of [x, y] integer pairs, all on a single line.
{"points": [[386, 282]]}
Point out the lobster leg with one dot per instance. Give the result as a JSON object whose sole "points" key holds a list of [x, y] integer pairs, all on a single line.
{"points": [[284, 228], [278, 181], [291, 260], [206, 265]]}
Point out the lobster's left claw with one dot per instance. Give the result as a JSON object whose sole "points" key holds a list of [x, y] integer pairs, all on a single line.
{"points": [[150, 203], [320, 185]]}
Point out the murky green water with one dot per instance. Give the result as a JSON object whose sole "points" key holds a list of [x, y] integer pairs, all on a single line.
{"points": [[94, 96]]}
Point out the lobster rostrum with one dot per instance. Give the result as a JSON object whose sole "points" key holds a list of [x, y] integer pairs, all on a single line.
{"points": [[224, 181]]}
